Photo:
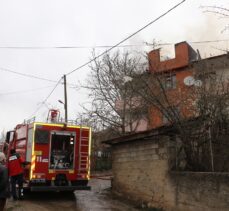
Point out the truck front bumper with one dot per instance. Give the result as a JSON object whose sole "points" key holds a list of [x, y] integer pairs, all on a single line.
{"points": [[58, 188]]}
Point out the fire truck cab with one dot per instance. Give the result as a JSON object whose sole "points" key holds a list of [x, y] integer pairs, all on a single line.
{"points": [[59, 155]]}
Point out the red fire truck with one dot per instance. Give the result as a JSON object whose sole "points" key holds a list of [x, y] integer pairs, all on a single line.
{"points": [[59, 154]]}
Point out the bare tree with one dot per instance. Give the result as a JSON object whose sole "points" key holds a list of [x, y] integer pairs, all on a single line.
{"points": [[199, 114], [122, 96], [222, 12], [113, 100], [212, 105]]}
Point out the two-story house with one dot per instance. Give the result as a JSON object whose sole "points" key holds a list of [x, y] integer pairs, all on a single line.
{"points": [[174, 75]]}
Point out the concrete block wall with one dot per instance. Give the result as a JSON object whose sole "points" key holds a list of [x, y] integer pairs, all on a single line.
{"points": [[142, 174], [201, 191], [140, 170]]}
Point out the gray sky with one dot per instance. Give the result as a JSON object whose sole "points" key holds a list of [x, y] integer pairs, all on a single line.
{"points": [[51, 23]]}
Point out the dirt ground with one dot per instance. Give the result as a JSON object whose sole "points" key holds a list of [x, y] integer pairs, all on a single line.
{"points": [[98, 199]]}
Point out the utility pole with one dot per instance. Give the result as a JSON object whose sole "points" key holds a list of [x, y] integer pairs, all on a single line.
{"points": [[65, 100]]}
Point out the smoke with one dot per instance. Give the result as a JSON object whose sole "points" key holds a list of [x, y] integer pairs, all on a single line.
{"points": [[209, 30]]}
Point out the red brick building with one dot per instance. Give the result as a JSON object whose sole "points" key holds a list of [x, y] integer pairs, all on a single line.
{"points": [[174, 71], [179, 81], [180, 78]]}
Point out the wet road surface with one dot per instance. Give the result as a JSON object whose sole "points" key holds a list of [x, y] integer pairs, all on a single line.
{"points": [[98, 199], [44, 202]]}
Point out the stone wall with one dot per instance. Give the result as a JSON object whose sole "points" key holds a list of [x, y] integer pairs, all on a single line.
{"points": [[140, 170], [142, 174], [201, 191]]}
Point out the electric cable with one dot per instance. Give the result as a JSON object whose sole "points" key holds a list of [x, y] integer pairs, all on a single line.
{"points": [[128, 37], [192, 42], [26, 75], [23, 91], [105, 46], [62, 47], [35, 77], [44, 101]]}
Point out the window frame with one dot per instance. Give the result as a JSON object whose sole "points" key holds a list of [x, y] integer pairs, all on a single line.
{"points": [[170, 81]]}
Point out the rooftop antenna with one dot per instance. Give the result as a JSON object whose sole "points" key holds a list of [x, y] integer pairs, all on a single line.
{"points": [[65, 100]]}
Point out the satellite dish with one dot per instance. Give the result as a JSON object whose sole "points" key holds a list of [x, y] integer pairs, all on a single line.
{"points": [[189, 81], [198, 83]]}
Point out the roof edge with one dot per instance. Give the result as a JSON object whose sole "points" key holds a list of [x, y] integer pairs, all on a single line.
{"points": [[140, 135]]}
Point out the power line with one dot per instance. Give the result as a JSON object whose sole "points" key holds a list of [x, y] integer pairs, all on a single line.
{"points": [[127, 37], [105, 46], [208, 41], [61, 47], [193, 42], [44, 101], [35, 77], [24, 91], [102, 46], [26, 75]]}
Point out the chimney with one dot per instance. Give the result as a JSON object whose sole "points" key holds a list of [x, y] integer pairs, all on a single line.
{"points": [[184, 54]]}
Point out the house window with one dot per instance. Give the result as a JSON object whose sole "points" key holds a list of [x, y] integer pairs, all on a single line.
{"points": [[170, 81]]}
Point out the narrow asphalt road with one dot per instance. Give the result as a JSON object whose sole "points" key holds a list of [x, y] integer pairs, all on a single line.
{"points": [[98, 199]]}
